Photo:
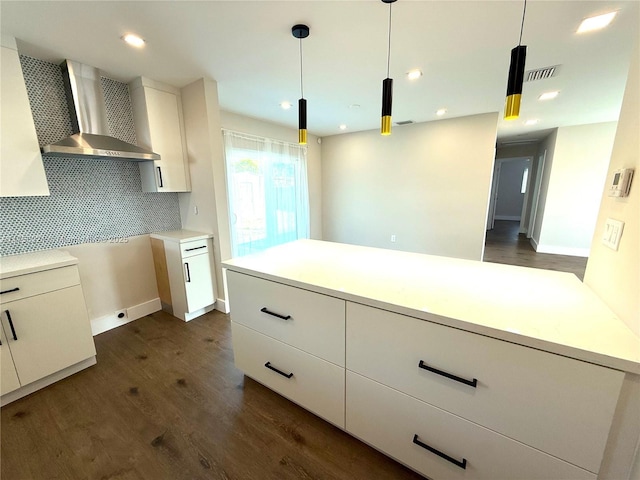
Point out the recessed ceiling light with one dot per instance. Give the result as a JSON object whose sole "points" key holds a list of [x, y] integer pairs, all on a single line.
{"points": [[596, 23], [133, 40], [531, 122], [548, 95], [285, 105], [414, 74], [343, 127], [441, 112]]}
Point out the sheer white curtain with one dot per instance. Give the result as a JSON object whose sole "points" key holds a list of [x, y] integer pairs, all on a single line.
{"points": [[268, 193]]}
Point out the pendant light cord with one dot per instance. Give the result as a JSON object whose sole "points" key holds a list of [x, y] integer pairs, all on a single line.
{"points": [[301, 86], [389, 46], [524, 11]]}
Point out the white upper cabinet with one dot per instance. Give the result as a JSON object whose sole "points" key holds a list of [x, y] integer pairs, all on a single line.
{"points": [[21, 170], [157, 113]]}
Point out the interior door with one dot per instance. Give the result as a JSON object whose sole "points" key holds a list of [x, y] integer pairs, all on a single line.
{"points": [[535, 194], [494, 196]]}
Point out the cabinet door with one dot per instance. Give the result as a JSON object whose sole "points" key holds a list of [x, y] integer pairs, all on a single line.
{"points": [[198, 281], [53, 333], [165, 131], [21, 169], [9, 380]]}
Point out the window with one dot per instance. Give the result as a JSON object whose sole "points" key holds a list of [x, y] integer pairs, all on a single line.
{"points": [[268, 193]]}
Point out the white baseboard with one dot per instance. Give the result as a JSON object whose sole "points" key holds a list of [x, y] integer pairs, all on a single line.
{"points": [[515, 218], [46, 381], [102, 324], [221, 306], [573, 252]]}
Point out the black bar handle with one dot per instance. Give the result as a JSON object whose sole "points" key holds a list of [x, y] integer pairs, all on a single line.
{"points": [[9, 291], [472, 383], [160, 176], [270, 367], [194, 248], [13, 330], [283, 317], [462, 464], [188, 272]]}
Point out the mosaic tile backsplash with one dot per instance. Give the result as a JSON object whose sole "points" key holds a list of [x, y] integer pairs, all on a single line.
{"points": [[91, 200]]}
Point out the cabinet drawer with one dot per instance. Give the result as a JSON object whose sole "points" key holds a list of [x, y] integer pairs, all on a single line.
{"points": [[556, 404], [314, 384], [31, 284], [196, 247], [312, 322], [389, 420]]}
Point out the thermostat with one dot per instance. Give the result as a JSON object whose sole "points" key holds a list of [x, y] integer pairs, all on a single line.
{"points": [[621, 182]]}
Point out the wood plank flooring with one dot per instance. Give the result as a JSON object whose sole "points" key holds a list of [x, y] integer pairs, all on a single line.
{"points": [[504, 245], [166, 402]]}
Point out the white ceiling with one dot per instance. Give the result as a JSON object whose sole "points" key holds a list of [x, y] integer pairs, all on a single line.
{"points": [[463, 48]]}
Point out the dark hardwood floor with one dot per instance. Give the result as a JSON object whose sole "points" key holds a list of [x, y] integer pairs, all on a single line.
{"points": [[504, 245], [166, 402]]}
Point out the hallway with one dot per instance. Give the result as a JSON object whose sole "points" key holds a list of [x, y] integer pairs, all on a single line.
{"points": [[503, 244]]}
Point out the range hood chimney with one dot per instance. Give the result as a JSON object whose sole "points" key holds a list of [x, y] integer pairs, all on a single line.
{"points": [[89, 120]]}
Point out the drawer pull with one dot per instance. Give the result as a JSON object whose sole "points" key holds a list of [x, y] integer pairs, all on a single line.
{"points": [[471, 383], [9, 291], [283, 317], [13, 330], [270, 367], [194, 248], [462, 464]]}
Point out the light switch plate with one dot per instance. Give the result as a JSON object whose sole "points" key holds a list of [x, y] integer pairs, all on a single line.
{"points": [[612, 233]]}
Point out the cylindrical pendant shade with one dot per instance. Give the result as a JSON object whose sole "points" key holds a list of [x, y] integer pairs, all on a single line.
{"points": [[302, 121], [387, 97], [514, 84]]}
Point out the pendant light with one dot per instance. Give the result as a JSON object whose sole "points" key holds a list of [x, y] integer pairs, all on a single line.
{"points": [[387, 86], [300, 32], [516, 76]]}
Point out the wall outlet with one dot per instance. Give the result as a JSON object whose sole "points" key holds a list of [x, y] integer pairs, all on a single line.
{"points": [[121, 314], [393, 238]]}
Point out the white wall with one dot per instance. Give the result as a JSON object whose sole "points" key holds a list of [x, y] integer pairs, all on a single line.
{"points": [[240, 123], [206, 164], [574, 176], [427, 183], [117, 276], [615, 276]]}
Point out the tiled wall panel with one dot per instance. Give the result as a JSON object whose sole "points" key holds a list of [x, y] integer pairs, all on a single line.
{"points": [[91, 200]]}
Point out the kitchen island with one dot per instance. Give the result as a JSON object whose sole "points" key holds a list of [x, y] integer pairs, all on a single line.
{"points": [[456, 368]]}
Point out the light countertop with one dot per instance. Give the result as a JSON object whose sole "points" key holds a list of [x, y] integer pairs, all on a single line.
{"points": [[551, 311], [14, 265], [181, 236]]}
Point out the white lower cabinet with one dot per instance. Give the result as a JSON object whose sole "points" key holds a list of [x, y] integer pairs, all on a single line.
{"points": [[52, 331], [44, 325], [440, 445], [309, 381], [185, 275], [9, 380]]}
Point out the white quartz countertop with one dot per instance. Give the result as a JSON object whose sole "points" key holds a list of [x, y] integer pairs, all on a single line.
{"points": [[547, 310], [180, 236], [14, 265]]}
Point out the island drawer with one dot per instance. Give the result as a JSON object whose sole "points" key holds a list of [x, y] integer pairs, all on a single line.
{"points": [[23, 286], [306, 320], [309, 381], [406, 429], [559, 405]]}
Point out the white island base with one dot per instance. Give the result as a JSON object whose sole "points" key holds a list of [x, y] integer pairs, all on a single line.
{"points": [[455, 368]]}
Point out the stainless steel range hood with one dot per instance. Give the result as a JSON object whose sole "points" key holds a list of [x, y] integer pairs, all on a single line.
{"points": [[89, 120]]}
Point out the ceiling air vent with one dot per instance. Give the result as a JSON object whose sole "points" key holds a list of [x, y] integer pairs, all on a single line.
{"points": [[405, 122], [541, 73]]}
